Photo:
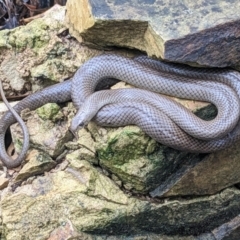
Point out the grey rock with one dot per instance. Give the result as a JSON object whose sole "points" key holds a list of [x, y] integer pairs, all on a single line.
{"points": [[84, 200], [99, 187], [37, 163], [10, 73], [138, 161], [199, 32], [212, 174], [3, 182], [44, 134], [39, 54]]}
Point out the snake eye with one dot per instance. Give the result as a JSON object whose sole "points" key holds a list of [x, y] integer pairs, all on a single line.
{"points": [[81, 124]]}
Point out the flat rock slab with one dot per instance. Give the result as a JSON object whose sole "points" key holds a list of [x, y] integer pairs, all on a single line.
{"points": [[197, 32], [205, 177]]}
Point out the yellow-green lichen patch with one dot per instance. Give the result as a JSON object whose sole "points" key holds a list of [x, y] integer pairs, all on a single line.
{"points": [[4, 39], [48, 111], [126, 143], [126, 154], [37, 33], [33, 36], [37, 163]]}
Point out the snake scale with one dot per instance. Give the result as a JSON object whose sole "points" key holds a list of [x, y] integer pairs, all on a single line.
{"points": [[160, 117]]}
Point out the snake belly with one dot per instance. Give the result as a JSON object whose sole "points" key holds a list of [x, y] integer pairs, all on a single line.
{"points": [[221, 88]]}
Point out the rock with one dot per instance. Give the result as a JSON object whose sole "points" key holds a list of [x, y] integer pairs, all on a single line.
{"points": [[187, 32], [83, 154], [37, 163], [10, 73], [83, 199], [40, 53], [140, 162], [44, 133], [3, 107], [123, 237], [52, 194], [67, 231], [124, 153], [143, 166], [85, 139], [84, 147], [205, 236], [214, 173], [101, 186], [3, 182]]}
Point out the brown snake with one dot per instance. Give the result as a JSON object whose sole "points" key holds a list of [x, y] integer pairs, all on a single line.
{"points": [[144, 108]]}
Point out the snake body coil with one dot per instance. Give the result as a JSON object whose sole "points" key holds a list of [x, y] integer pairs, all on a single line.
{"points": [[144, 108]]}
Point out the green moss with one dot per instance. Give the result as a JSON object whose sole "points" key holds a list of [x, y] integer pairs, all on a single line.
{"points": [[34, 35], [124, 144], [18, 144], [126, 154], [48, 111], [137, 160], [50, 69]]}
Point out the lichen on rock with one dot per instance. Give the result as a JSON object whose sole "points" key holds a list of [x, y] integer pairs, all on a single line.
{"points": [[137, 160], [37, 163], [44, 133], [90, 202], [111, 183], [41, 52], [48, 111]]}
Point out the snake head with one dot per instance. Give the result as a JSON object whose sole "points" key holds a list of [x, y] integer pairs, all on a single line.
{"points": [[76, 124], [85, 114], [79, 121]]}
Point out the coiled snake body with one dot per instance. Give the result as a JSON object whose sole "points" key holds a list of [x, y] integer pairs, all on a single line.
{"points": [[161, 118]]}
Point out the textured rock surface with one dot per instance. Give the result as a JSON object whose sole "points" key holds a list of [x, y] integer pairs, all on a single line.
{"points": [[3, 181], [143, 165], [198, 32], [86, 200], [137, 160], [39, 54], [97, 187], [44, 133], [213, 173], [76, 197], [37, 163]]}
